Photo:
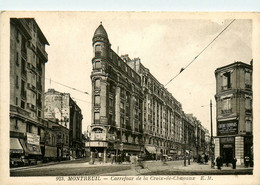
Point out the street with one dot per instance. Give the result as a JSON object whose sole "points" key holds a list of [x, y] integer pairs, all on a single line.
{"points": [[83, 168]]}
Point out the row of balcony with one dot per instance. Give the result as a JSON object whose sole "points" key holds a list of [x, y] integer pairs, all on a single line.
{"points": [[229, 111], [226, 87]]}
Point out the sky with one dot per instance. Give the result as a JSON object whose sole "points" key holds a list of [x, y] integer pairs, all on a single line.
{"points": [[165, 43]]}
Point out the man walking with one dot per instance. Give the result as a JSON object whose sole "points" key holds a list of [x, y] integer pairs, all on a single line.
{"points": [[234, 163], [218, 160]]}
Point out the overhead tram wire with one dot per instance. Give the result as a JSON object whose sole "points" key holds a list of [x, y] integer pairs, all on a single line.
{"points": [[67, 86], [182, 69]]}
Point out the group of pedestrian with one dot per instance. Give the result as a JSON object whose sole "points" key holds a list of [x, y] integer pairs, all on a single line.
{"points": [[203, 159], [220, 161]]}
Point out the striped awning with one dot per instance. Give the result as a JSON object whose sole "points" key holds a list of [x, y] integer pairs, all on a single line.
{"points": [[15, 146]]}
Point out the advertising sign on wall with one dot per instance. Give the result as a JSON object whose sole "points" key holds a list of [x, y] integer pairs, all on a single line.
{"points": [[227, 128], [33, 139]]}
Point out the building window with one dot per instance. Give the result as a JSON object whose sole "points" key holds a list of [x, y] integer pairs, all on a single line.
{"points": [[97, 64], [96, 117], [97, 100], [28, 128], [248, 105], [122, 121], [16, 101], [97, 84], [23, 92], [248, 126], [98, 50], [39, 113], [17, 59], [39, 131], [110, 102], [23, 71], [110, 119], [17, 82], [226, 81], [248, 80], [226, 106], [22, 104]]}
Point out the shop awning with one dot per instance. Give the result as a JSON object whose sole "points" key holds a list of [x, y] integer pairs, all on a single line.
{"points": [[151, 149], [30, 149], [50, 151], [15, 146]]}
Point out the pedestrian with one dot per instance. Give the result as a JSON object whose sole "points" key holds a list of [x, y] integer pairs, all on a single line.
{"points": [[247, 159], [113, 158], [199, 159], [234, 163], [99, 157], [218, 161], [206, 159]]}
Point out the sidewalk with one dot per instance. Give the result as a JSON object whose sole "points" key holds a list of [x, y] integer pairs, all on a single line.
{"points": [[178, 168]]}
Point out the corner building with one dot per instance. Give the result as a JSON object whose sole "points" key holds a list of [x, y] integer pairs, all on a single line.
{"points": [[116, 101], [132, 112], [234, 112]]}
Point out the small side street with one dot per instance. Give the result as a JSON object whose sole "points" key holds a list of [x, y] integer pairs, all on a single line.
{"points": [[82, 167]]}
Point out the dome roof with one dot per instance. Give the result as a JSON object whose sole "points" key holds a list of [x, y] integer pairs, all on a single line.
{"points": [[100, 31]]}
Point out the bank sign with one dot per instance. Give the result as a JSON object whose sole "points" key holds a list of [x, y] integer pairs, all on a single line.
{"points": [[227, 128], [33, 139]]}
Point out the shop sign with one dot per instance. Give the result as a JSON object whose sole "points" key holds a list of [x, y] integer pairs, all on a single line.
{"points": [[227, 140], [33, 139], [227, 128]]}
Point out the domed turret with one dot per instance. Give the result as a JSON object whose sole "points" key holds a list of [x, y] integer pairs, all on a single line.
{"points": [[100, 42], [100, 31], [100, 34]]}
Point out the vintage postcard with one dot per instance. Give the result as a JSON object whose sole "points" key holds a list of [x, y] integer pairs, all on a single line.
{"points": [[129, 97]]}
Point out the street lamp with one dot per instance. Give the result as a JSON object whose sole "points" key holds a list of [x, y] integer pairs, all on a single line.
{"points": [[211, 136]]}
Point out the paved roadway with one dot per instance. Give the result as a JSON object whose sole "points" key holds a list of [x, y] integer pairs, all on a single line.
{"points": [[83, 168]]}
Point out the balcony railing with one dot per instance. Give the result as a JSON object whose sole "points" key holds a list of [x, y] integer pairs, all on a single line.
{"points": [[227, 111]]}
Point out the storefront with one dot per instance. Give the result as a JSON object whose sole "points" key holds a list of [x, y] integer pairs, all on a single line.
{"points": [[16, 152]]}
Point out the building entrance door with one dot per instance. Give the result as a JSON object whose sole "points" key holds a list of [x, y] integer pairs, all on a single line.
{"points": [[227, 154]]}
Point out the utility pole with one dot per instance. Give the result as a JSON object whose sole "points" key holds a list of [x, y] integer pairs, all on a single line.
{"points": [[211, 136]]}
